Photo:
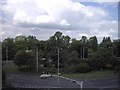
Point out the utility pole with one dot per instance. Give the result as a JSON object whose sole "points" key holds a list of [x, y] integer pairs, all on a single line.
{"points": [[58, 68], [37, 60], [83, 52], [6, 53]]}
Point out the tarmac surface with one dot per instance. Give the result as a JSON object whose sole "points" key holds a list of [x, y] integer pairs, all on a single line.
{"points": [[34, 81]]}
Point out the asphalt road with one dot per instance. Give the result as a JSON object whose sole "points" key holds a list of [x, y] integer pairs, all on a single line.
{"points": [[34, 81]]}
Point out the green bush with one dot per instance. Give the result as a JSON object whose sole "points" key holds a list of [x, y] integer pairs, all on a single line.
{"points": [[69, 69], [53, 70], [41, 69], [117, 69], [80, 68], [83, 68]]}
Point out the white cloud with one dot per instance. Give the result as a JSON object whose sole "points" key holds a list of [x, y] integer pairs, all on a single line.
{"points": [[43, 17], [1, 33], [58, 12], [95, 0], [64, 22]]}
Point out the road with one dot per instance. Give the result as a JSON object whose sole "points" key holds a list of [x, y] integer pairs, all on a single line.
{"points": [[34, 81]]}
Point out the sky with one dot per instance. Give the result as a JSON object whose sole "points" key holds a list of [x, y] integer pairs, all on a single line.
{"points": [[42, 18]]}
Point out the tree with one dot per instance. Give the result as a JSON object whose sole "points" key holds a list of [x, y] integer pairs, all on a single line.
{"points": [[116, 50], [95, 61], [8, 48], [73, 59], [93, 43], [71, 63], [66, 41], [24, 59], [83, 68], [84, 47], [32, 42], [58, 38], [74, 46], [105, 39], [21, 42], [55, 42], [103, 57]]}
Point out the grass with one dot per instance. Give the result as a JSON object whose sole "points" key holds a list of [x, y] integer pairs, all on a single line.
{"points": [[14, 69], [10, 68], [90, 75]]}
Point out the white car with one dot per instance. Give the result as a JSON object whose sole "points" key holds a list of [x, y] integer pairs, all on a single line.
{"points": [[43, 76]]}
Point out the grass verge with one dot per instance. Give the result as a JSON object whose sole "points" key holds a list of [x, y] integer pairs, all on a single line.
{"points": [[90, 75], [14, 69]]}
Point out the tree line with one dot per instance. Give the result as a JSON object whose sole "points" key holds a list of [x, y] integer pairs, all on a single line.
{"points": [[76, 56]]}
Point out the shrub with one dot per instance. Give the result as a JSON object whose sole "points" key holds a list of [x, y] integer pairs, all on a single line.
{"points": [[53, 70], [83, 68], [80, 68], [117, 69], [24, 59], [69, 69]]}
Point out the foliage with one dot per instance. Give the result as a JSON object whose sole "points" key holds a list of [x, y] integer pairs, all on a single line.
{"points": [[93, 43], [24, 59], [90, 75], [74, 46], [83, 68], [8, 46], [117, 69], [117, 48], [71, 51], [73, 58], [104, 57]]}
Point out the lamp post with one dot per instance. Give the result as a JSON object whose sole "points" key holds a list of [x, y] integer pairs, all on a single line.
{"points": [[58, 68], [58, 50], [37, 60], [6, 53], [82, 52]]}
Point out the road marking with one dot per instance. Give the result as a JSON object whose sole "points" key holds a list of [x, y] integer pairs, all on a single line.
{"points": [[75, 81]]}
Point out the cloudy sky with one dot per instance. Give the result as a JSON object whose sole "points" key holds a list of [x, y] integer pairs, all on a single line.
{"points": [[42, 18]]}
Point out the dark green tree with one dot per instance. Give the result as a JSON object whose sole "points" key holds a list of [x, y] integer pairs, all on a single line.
{"points": [[73, 59], [84, 47], [21, 42], [8, 48], [104, 57], [93, 43], [24, 59]]}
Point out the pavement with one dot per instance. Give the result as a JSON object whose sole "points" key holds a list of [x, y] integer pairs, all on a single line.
{"points": [[34, 81]]}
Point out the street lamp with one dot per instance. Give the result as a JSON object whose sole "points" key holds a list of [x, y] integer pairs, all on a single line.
{"points": [[59, 65], [82, 52], [37, 59], [6, 54], [58, 68]]}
